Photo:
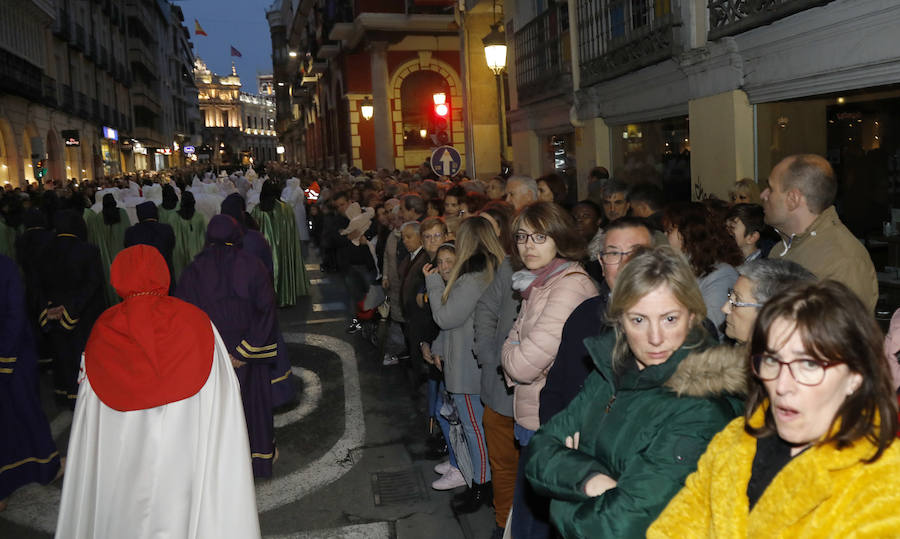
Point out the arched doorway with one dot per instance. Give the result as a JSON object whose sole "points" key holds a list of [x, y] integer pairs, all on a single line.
{"points": [[452, 87], [9, 173], [31, 152]]}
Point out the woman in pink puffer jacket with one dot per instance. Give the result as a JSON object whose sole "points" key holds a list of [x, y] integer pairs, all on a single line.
{"points": [[552, 285]]}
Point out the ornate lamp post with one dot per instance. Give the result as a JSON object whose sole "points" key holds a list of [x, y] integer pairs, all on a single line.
{"points": [[367, 109], [495, 55]]}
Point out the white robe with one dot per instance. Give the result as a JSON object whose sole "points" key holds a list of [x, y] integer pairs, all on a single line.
{"points": [[181, 470]]}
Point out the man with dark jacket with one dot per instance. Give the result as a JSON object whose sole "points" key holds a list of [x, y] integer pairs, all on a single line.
{"points": [[573, 364]]}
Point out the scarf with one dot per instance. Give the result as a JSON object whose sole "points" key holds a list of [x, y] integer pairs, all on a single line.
{"points": [[525, 280]]}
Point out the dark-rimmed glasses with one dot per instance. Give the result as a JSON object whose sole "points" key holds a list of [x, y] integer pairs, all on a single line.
{"points": [[536, 238], [807, 372], [614, 257]]}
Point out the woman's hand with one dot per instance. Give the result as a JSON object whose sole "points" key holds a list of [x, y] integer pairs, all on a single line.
{"points": [[429, 269], [426, 353], [572, 441], [385, 283], [236, 363], [599, 484], [438, 362]]}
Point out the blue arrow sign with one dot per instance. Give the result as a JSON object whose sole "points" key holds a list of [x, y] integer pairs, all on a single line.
{"points": [[445, 161]]}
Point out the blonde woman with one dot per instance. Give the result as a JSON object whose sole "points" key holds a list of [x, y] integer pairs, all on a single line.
{"points": [[621, 450], [478, 255]]}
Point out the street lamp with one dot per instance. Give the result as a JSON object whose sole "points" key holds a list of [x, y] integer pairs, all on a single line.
{"points": [[495, 49], [495, 55], [367, 108]]}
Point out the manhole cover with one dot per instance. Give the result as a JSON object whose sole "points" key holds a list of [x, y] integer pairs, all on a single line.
{"points": [[398, 488]]}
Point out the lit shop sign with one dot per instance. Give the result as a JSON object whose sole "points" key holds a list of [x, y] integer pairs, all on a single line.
{"points": [[71, 138], [110, 133], [164, 151], [139, 148], [189, 150]]}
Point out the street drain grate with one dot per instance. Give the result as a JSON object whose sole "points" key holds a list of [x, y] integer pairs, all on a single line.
{"points": [[398, 488]]}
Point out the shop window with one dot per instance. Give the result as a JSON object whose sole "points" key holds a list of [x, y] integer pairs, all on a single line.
{"points": [[859, 135], [656, 152]]}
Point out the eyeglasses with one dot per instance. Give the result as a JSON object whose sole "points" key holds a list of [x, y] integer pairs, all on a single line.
{"points": [[614, 257], [435, 236], [808, 372], [537, 239], [740, 303]]}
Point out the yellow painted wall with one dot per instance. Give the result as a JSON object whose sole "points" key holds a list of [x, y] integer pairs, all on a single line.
{"points": [[802, 132], [721, 137]]}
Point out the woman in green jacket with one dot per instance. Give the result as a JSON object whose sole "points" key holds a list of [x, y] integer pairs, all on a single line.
{"points": [[615, 456]]}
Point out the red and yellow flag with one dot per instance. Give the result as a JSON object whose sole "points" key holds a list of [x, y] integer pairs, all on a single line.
{"points": [[198, 30]]}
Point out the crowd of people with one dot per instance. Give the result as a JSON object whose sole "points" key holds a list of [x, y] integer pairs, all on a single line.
{"points": [[608, 368]]}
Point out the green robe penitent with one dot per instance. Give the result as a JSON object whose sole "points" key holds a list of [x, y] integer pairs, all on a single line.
{"points": [[280, 230]]}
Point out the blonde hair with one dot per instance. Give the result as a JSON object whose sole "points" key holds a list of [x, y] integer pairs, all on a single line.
{"points": [[476, 237], [649, 269], [748, 187]]}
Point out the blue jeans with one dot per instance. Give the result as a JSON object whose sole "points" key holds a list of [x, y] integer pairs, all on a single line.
{"points": [[531, 512], [435, 400], [470, 412]]}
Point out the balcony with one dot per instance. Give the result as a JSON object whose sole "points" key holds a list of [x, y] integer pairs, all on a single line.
{"points": [[140, 53], [67, 103], [20, 77], [82, 105], [620, 36], [145, 96], [543, 65], [49, 93], [62, 27], [729, 17], [80, 40]]}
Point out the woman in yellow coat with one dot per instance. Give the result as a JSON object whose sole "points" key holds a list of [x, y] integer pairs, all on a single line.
{"points": [[814, 455]]}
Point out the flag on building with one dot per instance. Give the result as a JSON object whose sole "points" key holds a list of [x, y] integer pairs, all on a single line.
{"points": [[198, 30], [235, 52]]}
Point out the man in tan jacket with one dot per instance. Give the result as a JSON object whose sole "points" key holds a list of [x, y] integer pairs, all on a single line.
{"points": [[798, 203]]}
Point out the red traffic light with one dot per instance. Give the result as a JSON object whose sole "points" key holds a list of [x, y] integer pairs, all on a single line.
{"points": [[441, 110]]}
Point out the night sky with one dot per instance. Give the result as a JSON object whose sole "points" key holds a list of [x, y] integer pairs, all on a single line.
{"points": [[238, 23]]}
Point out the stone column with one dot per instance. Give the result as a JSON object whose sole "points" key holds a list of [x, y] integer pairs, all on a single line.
{"points": [[384, 139], [721, 142]]}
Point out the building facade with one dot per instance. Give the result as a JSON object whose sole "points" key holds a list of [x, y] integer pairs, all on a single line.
{"points": [[85, 82], [238, 127], [332, 57], [696, 95]]}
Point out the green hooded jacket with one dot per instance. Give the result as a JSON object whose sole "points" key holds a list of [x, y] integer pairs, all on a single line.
{"points": [[645, 429]]}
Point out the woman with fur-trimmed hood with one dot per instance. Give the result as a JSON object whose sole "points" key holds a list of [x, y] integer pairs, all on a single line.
{"points": [[622, 449]]}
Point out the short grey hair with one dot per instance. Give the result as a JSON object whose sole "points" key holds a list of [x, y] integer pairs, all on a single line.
{"points": [[526, 181], [416, 226], [770, 276]]}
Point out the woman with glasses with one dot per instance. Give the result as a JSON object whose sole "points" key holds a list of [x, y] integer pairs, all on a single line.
{"points": [[701, 235], [623, 447], [552, 283], [814, 454], [478, 255]]}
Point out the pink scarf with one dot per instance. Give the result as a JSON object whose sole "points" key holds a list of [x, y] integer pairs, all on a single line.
{"points": [[530, 279]]}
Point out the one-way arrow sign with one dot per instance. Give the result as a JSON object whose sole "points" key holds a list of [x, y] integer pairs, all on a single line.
{"points": [[445, 161]]}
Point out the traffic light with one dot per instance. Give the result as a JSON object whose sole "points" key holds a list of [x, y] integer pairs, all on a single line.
{"points": [[40, 171], [441, 119]]}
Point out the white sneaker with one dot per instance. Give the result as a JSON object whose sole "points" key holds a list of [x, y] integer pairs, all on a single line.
{"points": [[443, 467], [450, 480]]}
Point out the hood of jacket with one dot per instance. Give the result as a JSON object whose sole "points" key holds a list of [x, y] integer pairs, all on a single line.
{"points": [[717, 370], [698, 368]]}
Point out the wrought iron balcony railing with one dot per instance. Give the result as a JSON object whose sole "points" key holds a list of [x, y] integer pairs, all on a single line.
{"points": [[543, 65], [729, 17], [619, 36], [49, 87], [20, 77]]}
